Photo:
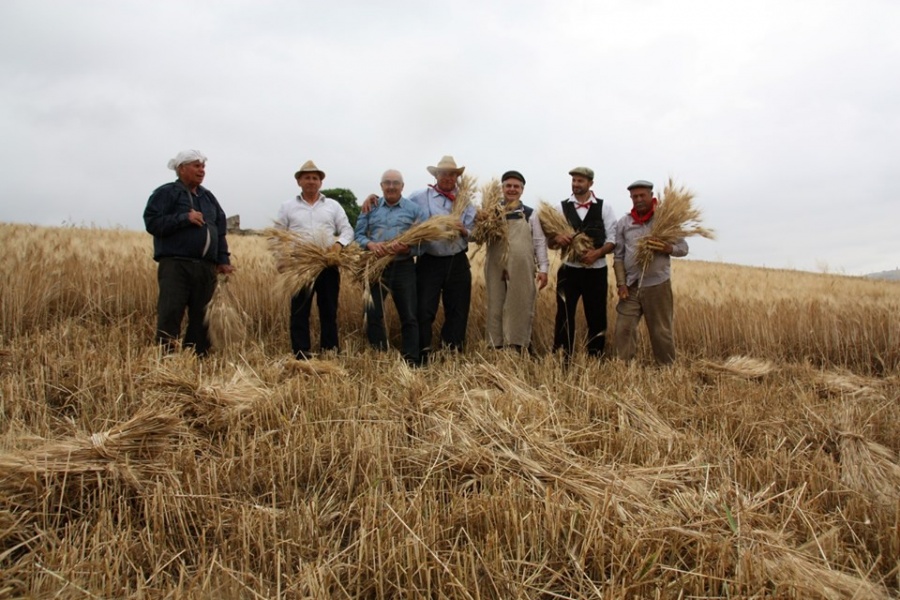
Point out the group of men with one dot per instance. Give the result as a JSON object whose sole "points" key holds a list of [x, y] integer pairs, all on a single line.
{"points": [[190, 245]]}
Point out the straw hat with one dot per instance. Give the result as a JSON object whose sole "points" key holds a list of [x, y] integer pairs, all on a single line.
{"points": [[446, 164], [309, 167]]}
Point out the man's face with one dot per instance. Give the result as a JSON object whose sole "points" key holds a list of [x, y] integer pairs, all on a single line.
{"points": [[581, 185], [391, 186], [191, 174], [642, 198], [446, 180], [512, 190], [310, 183]]}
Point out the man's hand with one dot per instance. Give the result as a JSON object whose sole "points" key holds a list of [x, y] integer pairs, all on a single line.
{"points": [[461, 228], [399, 248], [589, 257], [196, 218], [336, 248], [377, 248], [658, 245], [542, 281], [225, 269], [562, 240], [369, 203], [622, 291]]}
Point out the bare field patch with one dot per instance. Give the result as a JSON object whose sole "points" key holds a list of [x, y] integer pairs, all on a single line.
{"points": [[764, 463]]}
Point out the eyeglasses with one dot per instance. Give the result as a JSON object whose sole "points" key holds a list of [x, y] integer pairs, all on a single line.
{"points": [[391, 182]]}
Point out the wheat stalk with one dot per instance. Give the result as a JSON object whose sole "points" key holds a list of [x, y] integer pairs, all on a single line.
{"points": [[675, 218], [555, 223], [300, 258], [224, 319]]}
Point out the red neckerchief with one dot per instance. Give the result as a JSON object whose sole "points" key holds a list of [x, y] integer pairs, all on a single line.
{"points": [[640, 220], [448, 195], [586, 205]]}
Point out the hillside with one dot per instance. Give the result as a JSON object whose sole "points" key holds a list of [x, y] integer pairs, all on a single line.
{"points": [[886, 275], [763, 464]]}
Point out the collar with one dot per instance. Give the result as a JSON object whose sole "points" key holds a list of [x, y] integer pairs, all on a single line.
{"points": [[301, 200]]}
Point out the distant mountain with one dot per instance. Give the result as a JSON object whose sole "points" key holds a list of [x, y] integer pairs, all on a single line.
{"points": [[889, 275]]}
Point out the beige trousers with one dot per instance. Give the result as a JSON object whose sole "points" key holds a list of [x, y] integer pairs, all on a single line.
{"points": [[509, 272], [655, 305]]}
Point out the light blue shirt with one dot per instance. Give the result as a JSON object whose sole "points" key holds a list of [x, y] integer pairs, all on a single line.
{"points": [[435, 204], [385, 222]]}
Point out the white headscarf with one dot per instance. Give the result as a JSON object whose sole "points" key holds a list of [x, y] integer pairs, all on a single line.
{"points": [[186, 156]]}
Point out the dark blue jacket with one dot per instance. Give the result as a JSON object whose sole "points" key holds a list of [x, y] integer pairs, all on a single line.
{"points": [[166, 219]]}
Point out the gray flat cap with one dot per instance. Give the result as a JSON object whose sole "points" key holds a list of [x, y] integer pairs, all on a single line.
{"points": [[583, 171], [640, 183]]}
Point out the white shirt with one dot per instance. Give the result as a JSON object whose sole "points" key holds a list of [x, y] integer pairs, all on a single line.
{"points": [[325, 216]]}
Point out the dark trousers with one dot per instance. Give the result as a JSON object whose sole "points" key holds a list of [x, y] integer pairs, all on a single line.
{"points": [[184, 283], [326, 289], [446, 279], [590, 285], [398, 280]]}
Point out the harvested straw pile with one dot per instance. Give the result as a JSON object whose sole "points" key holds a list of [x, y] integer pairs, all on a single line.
{"points": [[301, 258], [675, 218], [211, 406], [491, 226], [226, 322], [124, 451], [554, 223], [869, 468]]}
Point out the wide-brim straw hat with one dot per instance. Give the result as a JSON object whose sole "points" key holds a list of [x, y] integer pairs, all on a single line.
{"points": [[309, 167], [446, 164]]}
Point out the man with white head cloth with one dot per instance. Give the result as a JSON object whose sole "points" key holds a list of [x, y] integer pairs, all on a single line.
{"points": [[188, 228]]}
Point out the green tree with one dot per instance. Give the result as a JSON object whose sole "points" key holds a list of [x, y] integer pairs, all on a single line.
{"points": [[347, 199]]}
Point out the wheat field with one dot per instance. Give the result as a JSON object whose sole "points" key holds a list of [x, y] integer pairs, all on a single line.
{"points": [[763, 464]]}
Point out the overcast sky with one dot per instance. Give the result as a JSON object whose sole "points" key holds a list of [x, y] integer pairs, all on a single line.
{"points": [[783, 117]]}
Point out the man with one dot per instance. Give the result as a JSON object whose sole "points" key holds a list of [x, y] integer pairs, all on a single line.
{"points": [[443, 273], [509, 270], [320, 220], [643, 291], [188, 229], [586, 278], [375, 231]]}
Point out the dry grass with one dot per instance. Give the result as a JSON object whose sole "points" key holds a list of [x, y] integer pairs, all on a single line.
{"points": [[466, 188], [487, 474], [554, 223], [676, 217]]}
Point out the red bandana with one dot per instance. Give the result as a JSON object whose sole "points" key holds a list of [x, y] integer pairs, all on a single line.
{"points": [[586, 205], [448, 195], [639, 219]]}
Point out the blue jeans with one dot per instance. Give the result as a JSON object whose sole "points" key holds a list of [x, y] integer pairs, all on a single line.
{"points": [[398, 280]]}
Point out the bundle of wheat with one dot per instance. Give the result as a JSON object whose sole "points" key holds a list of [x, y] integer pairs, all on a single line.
{"points": [[123, 450], [675, 218], [490, 226], [301, 258], [465, 193], [554, 223], [440, 227], [739, 366], [224, 319]]}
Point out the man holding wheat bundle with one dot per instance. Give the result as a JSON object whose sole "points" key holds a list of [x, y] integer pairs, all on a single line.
{"points": [[376, 231], [584, 277], [323, 221], [188, 228], [644, 287]]}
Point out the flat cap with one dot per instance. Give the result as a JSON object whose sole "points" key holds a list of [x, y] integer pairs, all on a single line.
{"points": [[583, 171], [513, 175], [640, 183]]}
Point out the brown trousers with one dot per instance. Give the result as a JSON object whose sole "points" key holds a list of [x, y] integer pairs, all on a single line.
{"points": [[655, 305]]}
